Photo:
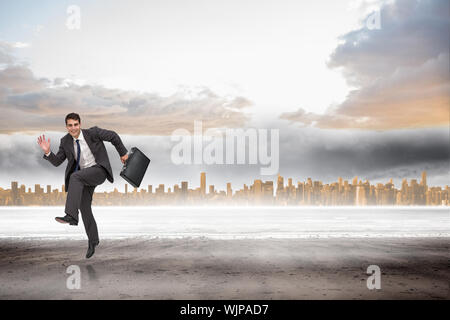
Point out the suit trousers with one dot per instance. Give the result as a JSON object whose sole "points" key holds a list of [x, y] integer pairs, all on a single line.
{"points": [[79, 197]]}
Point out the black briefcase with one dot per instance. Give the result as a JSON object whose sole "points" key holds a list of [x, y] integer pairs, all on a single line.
{"points": [[133, 170]]}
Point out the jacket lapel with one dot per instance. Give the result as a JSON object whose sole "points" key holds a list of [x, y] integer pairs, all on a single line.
{"points": [[87, 138], [69, 144]]}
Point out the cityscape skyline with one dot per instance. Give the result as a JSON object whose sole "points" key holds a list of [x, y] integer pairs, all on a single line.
{"points": [[308, 192], [383, 116]]}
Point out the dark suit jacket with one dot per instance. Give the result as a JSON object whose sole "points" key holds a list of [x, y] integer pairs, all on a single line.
{"points": [[94, 138]]}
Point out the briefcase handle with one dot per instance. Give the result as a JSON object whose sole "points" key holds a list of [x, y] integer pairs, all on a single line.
{"points": [[129, 155]]}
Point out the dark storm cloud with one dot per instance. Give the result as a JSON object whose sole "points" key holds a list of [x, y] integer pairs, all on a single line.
{"points": [[327, 154], [320, 154], [401, 71]]}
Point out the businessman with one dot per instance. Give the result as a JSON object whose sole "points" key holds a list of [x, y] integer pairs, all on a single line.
{"points": [[87, 167]]}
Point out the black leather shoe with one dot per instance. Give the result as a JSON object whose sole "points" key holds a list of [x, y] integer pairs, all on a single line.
{"points": [[91, 250], [67, 219]]}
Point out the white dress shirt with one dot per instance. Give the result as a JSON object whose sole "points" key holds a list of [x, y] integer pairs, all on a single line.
{"points": [[86, 158]]}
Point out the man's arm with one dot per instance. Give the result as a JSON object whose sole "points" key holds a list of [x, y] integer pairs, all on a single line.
{"points": [[111, 136], [58, 158]]}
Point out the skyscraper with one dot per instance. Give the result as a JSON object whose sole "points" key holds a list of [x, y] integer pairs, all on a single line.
{"points": [[203, 183], [280, 184], [424, 179], [229, 191], [15, 192]]}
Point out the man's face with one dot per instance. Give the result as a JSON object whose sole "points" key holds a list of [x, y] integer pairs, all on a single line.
{"points": [[73, 127]]}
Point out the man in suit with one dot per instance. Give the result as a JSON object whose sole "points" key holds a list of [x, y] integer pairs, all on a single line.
{"points": [[87, 167]]}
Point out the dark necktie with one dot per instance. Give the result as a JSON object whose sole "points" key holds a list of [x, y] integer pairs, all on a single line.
{"points": [[77, 167]]}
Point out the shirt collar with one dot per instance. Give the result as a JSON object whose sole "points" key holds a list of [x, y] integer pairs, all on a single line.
{"points": [[80, 137]]}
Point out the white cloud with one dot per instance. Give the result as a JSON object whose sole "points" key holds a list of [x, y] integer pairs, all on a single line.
{"points": [[20, 45], [36, 104], [400, 71]]}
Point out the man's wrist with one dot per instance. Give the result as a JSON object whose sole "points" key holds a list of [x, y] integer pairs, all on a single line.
{"points": [[48, 153]]}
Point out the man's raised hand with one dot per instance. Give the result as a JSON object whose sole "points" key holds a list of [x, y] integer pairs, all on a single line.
{"points": [[45, 145]]}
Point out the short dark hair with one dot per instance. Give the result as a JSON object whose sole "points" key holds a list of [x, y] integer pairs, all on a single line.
{"points": [[73, 116]]}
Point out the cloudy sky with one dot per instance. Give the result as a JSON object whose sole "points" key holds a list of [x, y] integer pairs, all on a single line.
{"points": [[354, 87]]}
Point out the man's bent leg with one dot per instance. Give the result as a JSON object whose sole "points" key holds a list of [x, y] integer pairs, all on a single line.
{"points": [[91, 176], [86, 213], [74, 193]]}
